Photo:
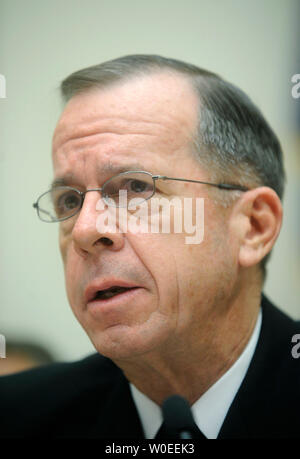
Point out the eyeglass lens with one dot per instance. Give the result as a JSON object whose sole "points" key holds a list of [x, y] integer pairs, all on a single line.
{"points": [[63, 202]]}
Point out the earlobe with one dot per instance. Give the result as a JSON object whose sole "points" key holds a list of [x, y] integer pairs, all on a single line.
{"points": [[263, 210]]}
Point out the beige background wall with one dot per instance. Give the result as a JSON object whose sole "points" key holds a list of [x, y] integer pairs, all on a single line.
{"points": [[253, 44]]}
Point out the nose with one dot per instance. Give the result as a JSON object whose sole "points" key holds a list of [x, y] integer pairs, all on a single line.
{"points": [[90, 234]]}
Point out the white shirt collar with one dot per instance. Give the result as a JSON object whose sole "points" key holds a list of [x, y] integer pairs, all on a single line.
{"points": [[210, 409]]}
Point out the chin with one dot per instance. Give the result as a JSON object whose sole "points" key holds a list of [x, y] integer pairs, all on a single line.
{"points": [[124, 342]]}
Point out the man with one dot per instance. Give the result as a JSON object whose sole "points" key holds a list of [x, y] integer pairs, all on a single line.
{"points": [[167, 317]]}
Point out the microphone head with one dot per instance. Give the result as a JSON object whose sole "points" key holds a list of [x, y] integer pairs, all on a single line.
{"points": [[178, 417]]}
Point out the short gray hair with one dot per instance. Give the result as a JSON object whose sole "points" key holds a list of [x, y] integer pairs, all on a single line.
{"points": [[233, 139]]}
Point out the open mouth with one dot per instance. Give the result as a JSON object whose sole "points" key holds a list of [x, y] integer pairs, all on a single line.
{"points": [[111, 292]]}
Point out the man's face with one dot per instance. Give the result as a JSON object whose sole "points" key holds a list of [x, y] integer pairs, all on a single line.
{"points": [[143, 124]]}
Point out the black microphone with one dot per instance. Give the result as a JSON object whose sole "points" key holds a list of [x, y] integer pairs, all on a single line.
{"points": [[178, 419]]}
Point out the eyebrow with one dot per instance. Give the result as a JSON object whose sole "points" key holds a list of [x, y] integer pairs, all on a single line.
{"points": [[108, 169]]}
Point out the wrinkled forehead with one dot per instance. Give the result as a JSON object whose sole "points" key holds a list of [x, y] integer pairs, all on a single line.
{"points": [[163, 103]]}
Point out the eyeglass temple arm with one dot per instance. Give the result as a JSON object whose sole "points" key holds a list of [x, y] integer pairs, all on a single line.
{"points": [[223, 186], [35, 205]]}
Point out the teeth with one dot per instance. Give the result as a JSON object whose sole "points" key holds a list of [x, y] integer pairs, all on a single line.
{"points": [[109, 293]]}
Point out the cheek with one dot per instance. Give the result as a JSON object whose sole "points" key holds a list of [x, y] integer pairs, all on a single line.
{"points": [[69, 267], [203, 266], [65, 239], [69, 262], [156, 254], [63, 248], [73, 276]]}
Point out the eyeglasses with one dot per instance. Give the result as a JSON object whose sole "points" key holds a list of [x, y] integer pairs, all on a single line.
{"points": [[63, 202]]}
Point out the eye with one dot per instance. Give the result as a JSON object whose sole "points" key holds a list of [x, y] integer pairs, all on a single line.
{"points": [[65, 203], [138, 186]]}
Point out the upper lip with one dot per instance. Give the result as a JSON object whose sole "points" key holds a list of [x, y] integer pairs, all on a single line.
{"points": [[92, 289]]}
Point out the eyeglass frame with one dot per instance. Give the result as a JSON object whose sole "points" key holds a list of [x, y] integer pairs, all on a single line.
{"points": [[222, 186]]}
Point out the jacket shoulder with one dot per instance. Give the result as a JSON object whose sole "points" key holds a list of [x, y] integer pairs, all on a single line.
{"points": [[74, 375], [34, 400]]}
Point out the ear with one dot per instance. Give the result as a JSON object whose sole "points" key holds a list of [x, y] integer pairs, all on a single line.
{"points": [[257, 219]]}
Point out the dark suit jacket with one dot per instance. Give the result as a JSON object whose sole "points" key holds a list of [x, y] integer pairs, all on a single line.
{"points": [[91, 398]]}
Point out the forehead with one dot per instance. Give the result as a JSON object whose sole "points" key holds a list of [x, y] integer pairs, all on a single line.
{"points": [[155, 113]]}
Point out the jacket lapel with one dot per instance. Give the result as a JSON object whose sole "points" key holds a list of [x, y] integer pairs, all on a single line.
{"points": [[119, 417], [262, 406]]}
